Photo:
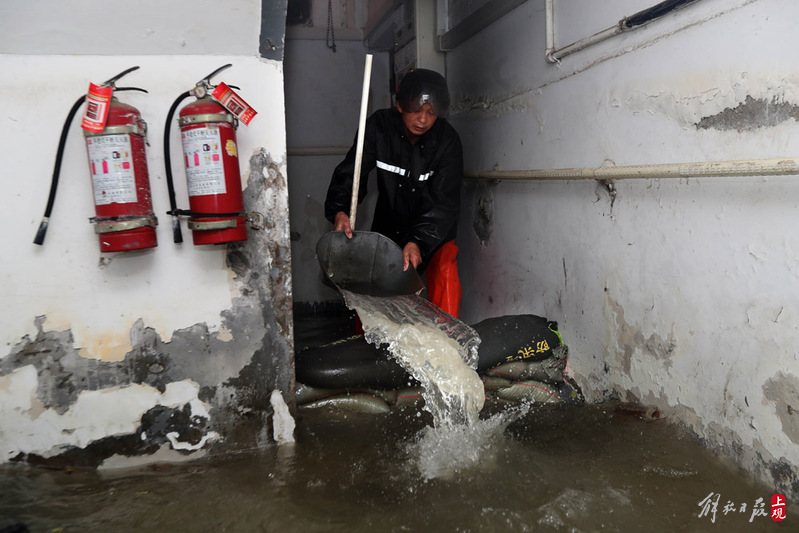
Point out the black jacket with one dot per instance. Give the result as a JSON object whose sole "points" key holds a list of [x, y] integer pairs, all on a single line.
{"points": [[419, 185]]}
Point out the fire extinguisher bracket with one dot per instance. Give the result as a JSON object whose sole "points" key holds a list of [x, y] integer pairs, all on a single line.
{"points": [[129, 223], [208, 117], [212, 224], [133, 129]]}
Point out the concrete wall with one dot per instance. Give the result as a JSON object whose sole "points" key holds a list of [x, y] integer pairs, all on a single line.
{"points": [[676, 292], [171, 351]]}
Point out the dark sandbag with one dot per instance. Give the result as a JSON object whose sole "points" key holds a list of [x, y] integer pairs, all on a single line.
{"points": [[530, 391], [356, 402], [515, 338], [350, 363], [550, 370], [353, 362]]}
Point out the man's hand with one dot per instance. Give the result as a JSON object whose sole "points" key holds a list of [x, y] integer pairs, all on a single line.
{"points": [[411, 255], [342, 223]]}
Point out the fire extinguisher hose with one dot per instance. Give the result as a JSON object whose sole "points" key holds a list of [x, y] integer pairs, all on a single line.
{"points": [[177, 235], [39, 239]]}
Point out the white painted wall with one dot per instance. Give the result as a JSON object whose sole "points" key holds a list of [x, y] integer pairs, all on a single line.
{"points": [[49, 52], [100, 296], [114, 27], [680, 293]]}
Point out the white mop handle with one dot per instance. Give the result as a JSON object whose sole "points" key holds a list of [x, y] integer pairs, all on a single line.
{"points": [[356, 175]]}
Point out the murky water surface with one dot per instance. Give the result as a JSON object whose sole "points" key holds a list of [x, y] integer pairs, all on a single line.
{"points": [[571, 468], [561, 468]]}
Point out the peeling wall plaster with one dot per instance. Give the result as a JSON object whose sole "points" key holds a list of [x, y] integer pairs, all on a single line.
{"points": [[28, 428], [782, 391], [751, 114], [739, 105]]}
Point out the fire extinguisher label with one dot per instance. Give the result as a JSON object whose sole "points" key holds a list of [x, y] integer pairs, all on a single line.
{"points": [[97, 104], [205, 171], [234, 103], [111, 163]]}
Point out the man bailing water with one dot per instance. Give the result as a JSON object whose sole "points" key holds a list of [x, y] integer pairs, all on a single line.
{"points": [[419, 160]]}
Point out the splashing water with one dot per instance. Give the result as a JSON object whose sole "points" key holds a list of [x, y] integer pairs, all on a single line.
{"points": [[445, 451], [435, 348], [441, 353]]}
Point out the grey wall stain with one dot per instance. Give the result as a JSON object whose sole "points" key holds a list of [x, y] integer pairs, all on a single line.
{"points": [[783, 392], [630, 338], [751, 114], [609, 187], [269, 277], [483, 210], [776, 473], [236, 375]]}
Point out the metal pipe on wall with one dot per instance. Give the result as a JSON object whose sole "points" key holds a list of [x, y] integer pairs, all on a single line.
{"points": [[748, 167], [625, 24]]}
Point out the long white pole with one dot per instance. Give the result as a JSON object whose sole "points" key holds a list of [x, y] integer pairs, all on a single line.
{"points": [[356, 175]]}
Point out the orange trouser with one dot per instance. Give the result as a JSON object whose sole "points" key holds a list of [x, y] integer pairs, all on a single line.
{"points": [[443, 283]]}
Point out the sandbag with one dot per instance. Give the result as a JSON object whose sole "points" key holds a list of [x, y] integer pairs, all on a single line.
{"points": [[530, 391], [550, 370], [355, 402], [511, 338], [350, 363]]}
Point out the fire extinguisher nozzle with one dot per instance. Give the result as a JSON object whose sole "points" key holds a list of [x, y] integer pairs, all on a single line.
{"points": [[39, 239], [177, 235]]}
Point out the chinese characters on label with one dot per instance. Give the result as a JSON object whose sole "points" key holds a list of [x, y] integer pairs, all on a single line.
{"points": [[111, 163], [97, 105], [529, 351], [205, 172], [710, 507], [234, 103]]}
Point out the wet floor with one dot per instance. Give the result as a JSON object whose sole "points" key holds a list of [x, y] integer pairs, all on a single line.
{"points": [[562, 468], [571, 468]]}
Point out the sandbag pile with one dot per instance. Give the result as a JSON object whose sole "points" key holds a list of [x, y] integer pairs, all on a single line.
{"points": [[522, 358], [535, 381]]}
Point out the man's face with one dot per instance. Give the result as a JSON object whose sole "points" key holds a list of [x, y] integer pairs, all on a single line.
{"points": [[417, 123]]}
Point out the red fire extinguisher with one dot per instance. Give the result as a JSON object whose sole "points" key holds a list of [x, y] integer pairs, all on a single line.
{"points": [[115, 136], [210, 155]]}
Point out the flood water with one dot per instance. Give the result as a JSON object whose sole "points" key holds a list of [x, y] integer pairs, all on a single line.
{"points": [[571, 468]]}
